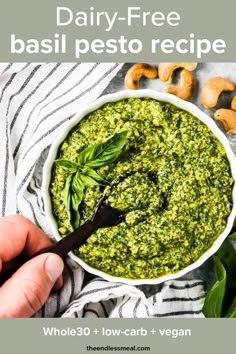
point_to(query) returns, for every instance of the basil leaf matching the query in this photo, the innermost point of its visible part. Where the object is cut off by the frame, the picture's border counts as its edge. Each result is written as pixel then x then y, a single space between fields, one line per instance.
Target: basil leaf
pixel 67 195
pixel 77 187
pixel 76 200
pixel 232 236
pixel 92 173
pixel 103 153
pixel 75 219
pixel 75 214
pixel 214 299
pixel 89 181
pixel 72 166
pixel 231 313
pixel 227 255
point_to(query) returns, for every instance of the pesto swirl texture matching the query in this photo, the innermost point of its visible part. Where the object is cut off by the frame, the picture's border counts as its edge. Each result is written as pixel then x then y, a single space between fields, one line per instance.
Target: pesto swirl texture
pixel 176 188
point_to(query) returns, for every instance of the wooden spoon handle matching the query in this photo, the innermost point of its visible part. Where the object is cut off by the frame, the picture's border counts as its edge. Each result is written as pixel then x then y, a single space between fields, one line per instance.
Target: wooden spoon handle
pixel 61 248
pixel 104 216
pixel 74 240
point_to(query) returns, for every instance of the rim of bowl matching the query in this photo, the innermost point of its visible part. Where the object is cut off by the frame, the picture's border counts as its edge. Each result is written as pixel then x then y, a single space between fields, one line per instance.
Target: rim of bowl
pixel 164 97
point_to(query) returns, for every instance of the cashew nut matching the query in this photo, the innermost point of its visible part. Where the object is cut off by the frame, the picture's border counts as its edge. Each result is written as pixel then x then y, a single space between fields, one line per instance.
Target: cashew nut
pixel 136 72
pixel 185 88
pixel 233 103
pixel 165 70
pixel 227 119
pixel 212 89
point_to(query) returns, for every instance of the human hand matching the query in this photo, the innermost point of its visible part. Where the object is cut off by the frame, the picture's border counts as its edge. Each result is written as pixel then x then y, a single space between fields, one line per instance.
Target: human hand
pixel 29 287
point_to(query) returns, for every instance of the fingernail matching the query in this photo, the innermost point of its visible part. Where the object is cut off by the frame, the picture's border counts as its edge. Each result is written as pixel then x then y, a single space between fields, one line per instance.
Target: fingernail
pixel 54 267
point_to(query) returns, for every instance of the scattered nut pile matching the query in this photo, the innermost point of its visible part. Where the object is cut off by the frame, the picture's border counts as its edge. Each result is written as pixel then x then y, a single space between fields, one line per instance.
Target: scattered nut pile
pixel 209 95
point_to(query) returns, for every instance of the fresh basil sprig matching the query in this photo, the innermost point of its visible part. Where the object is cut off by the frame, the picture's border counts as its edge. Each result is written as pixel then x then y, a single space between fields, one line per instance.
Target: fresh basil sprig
pixel 82 173
pixel 221 298
pixel 214 299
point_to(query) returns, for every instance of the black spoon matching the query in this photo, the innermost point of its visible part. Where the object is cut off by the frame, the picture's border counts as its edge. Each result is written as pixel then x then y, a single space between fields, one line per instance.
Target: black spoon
pixel 103 216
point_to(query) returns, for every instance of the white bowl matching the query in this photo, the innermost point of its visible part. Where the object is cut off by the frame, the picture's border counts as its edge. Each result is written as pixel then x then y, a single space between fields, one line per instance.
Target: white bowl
pixel 161 97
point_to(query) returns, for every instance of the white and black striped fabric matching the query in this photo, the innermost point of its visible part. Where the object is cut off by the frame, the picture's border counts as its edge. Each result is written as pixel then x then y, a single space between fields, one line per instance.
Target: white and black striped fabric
pixel 35 101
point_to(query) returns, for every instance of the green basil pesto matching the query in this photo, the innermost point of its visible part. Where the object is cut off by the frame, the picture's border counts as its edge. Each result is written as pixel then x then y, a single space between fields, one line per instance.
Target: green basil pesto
pixel 176 188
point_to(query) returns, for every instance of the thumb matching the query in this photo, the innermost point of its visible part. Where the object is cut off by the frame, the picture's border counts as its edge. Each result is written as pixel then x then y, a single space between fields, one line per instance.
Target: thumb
pixel 28 289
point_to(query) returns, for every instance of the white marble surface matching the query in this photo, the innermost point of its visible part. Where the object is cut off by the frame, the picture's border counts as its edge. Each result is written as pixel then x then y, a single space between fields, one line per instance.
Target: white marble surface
pixel 203 72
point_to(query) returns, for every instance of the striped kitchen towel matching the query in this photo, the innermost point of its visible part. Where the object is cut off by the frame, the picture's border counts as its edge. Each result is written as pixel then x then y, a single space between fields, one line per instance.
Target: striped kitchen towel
pixel 35 101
